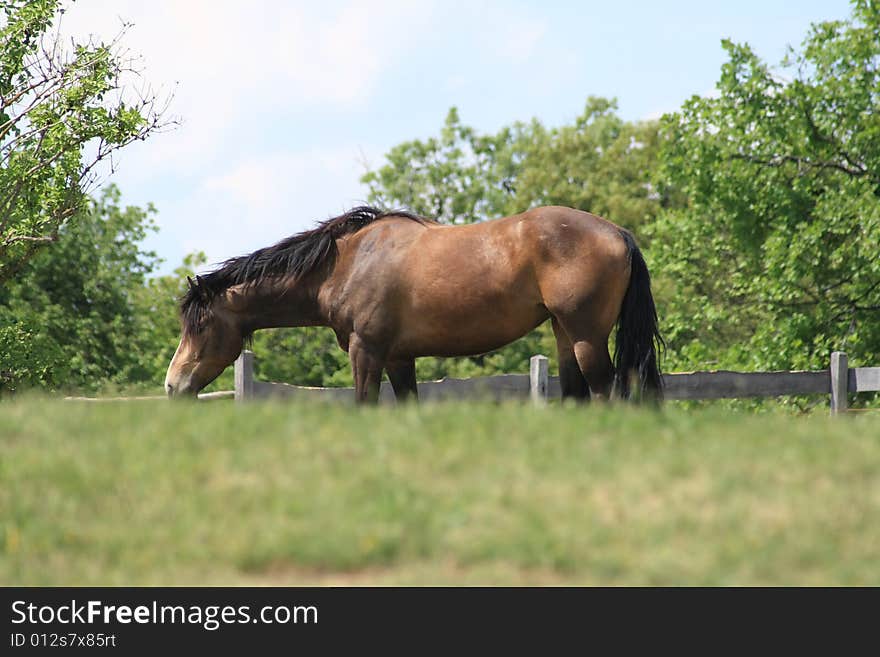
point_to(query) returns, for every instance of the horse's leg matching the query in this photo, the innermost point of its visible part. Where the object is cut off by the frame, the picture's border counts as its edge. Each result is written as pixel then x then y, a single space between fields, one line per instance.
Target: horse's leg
pixel 590 347
pixel 572 382
pixel 402 375
pixel 588 319
pixel 595 364
pixel 366 369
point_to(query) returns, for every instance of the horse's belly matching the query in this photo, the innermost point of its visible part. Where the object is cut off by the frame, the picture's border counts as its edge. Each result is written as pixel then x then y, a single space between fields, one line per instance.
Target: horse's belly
pixel 469 325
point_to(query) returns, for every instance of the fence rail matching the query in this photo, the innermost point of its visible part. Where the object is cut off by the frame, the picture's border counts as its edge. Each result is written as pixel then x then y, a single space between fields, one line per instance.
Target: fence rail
pixel 205 396
pixel 838 381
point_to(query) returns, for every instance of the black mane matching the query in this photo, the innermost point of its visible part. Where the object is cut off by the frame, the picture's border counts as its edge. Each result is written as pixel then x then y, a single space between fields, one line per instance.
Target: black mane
pixel 295 256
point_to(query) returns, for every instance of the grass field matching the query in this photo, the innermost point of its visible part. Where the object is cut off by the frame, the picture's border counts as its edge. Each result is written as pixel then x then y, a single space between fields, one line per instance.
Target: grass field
pixel 213 493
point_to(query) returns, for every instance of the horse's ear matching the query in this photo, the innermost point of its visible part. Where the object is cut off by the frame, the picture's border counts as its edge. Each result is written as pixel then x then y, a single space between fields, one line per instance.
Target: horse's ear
pixel 198 287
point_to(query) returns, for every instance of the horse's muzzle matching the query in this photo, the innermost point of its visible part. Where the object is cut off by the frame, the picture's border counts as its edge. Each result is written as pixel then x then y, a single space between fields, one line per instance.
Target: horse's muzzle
pixel 180 392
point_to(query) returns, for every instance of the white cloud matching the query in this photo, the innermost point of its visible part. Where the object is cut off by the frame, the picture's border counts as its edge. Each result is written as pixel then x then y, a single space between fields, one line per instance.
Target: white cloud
pixel 229 58
pixel 518 37
pixel 268 182
pixel 338 58
pixel 258 201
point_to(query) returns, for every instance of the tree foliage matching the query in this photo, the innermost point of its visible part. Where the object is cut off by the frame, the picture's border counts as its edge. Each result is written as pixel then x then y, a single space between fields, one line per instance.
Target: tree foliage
pixel 63 111
pixel 71 318
pixel 601 164
pixel 774 261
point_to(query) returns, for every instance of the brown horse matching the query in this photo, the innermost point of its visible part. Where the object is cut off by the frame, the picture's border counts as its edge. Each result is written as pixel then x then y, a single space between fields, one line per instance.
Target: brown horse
pixel 395 286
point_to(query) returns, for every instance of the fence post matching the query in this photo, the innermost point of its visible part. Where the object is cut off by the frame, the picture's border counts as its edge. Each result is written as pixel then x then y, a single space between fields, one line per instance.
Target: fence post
pixel 839 382
pixel 538 368
pixel 244 376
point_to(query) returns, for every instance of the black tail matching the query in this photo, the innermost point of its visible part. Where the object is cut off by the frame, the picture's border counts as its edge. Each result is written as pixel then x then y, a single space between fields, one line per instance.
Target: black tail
pixel 638 340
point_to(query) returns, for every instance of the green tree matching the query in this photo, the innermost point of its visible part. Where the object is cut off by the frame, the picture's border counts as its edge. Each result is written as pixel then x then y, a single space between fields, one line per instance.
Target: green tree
pixel 601 164
pixel 304 356
pixel 63 111
pixel 70 319
pixel 774 261
pixel 459 176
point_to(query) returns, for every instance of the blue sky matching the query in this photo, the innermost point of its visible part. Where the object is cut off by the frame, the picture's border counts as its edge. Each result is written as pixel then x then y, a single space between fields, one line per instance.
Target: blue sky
pixel 283 104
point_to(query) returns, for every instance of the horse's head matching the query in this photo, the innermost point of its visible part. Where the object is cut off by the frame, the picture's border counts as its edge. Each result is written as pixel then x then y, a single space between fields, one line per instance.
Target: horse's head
pixel 211 339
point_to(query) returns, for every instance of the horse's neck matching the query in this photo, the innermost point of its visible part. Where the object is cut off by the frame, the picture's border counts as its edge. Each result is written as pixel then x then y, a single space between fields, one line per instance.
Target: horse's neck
pixel 280 305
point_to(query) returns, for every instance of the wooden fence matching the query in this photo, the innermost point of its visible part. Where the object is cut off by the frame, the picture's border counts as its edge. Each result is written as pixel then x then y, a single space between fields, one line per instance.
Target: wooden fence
pixel 837 382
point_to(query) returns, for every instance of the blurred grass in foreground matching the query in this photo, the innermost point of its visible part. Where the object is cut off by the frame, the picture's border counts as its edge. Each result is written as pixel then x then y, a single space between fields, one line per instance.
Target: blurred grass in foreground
pixel 213 493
